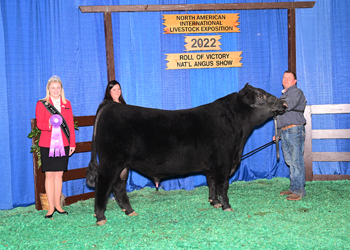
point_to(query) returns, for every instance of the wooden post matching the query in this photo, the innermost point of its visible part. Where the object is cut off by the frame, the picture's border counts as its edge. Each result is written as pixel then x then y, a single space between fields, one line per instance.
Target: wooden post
pixel 291 41
pixel 308 145
pixel 109 45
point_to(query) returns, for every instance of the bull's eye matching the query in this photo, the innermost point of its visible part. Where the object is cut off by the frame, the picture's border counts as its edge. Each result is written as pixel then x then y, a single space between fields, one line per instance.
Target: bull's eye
pixel 261 97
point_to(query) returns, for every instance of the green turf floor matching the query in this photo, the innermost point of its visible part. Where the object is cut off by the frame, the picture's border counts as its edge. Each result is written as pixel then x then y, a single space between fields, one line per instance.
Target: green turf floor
pixel 262 219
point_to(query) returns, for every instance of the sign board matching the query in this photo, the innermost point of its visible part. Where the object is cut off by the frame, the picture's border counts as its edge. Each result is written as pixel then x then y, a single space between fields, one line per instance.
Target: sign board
pixel 200 23
pixel 204 60
pixel 194 43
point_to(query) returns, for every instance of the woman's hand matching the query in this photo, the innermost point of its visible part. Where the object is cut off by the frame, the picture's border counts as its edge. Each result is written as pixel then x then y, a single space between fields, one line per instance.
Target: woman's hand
pixel 71 150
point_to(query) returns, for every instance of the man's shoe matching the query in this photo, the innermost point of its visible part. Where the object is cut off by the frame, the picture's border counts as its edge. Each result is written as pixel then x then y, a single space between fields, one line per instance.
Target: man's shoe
pixel 286 193
pixel 294 197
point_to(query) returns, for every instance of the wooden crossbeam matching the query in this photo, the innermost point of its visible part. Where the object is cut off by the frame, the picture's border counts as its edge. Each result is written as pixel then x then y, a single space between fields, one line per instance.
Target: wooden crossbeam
pixel 192 7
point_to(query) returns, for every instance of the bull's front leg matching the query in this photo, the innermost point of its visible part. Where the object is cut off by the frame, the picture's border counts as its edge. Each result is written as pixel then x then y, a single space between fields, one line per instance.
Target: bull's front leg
pixel 211 186
pixel 218 178
pixel 212 179
pixel 223 198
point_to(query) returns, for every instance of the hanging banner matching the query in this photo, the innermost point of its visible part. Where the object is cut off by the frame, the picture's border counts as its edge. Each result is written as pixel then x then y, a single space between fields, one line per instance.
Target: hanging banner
pixel 194 43
pixel 200 23
pixel 204 60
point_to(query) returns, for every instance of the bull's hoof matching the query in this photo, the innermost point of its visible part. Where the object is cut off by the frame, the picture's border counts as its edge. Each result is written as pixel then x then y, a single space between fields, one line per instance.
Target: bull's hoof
pixel 101 222
pixel 133 214
pixel 123 210
pixel 217 205
pixel 94 215
pixel 229 209
pixel 210 200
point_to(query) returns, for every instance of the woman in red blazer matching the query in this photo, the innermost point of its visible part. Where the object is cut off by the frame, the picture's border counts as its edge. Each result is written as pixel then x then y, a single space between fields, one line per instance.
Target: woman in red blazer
pixel 56 165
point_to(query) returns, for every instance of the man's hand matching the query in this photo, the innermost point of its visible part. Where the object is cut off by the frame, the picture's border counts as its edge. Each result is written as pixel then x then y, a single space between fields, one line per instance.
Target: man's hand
pixel 274 138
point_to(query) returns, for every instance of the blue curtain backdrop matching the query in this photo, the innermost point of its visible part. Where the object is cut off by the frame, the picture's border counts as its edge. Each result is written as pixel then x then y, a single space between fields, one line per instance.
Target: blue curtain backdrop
pixel 42 38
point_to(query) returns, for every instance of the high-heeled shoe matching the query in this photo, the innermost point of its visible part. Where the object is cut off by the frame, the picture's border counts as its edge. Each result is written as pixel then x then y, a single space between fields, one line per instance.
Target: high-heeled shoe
pixel 64 212
pixel 48 216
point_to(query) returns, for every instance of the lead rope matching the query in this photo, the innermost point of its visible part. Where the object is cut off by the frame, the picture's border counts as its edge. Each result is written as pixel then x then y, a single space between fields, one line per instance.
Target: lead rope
pixel 257 149
pixel 276 139
pixel 266 145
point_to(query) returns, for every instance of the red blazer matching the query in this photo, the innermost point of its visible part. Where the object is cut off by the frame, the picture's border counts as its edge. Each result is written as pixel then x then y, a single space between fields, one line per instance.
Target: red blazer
pixel 42 121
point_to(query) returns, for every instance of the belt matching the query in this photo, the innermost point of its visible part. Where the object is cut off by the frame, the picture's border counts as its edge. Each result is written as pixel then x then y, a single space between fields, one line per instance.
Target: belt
pixel 289 126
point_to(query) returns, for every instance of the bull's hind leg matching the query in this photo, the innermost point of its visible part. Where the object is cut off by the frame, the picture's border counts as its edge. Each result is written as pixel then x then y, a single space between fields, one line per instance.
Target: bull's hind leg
pixel 103 189
pixel 116 189
pixel 119 192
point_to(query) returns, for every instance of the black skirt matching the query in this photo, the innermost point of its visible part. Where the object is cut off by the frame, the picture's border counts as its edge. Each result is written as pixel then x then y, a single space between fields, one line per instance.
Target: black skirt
pixel 53 163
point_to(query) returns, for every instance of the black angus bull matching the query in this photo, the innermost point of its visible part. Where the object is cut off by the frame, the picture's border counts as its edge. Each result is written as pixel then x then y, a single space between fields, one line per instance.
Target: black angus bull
pixel 162 143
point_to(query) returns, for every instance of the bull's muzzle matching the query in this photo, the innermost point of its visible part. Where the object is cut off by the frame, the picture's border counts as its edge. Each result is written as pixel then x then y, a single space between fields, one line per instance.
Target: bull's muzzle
pixel 278 107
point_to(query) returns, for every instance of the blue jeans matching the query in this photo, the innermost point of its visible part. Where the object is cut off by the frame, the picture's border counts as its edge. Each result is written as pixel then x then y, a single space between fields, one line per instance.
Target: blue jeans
pixel 292 141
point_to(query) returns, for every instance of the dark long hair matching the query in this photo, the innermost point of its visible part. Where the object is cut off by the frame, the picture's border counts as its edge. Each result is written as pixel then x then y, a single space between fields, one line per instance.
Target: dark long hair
pixel 108 96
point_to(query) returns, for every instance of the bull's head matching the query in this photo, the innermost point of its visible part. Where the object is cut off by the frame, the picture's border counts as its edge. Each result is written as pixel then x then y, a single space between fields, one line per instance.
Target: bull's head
pixel 259 98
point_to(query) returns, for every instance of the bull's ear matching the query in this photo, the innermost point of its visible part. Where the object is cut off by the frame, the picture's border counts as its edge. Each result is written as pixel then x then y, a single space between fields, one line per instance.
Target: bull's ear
pixel 251 99
pixel 248 96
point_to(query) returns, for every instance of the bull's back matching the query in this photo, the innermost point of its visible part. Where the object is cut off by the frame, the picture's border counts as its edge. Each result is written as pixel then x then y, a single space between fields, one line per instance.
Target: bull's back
pixel 151 129
pixel 167 142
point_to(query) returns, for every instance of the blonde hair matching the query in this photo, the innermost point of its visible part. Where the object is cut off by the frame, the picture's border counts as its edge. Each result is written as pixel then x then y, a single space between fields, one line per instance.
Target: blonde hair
pixel 54 78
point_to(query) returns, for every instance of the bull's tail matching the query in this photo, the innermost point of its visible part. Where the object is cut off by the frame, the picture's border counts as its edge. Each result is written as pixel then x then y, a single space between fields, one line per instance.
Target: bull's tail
pixel 92 169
